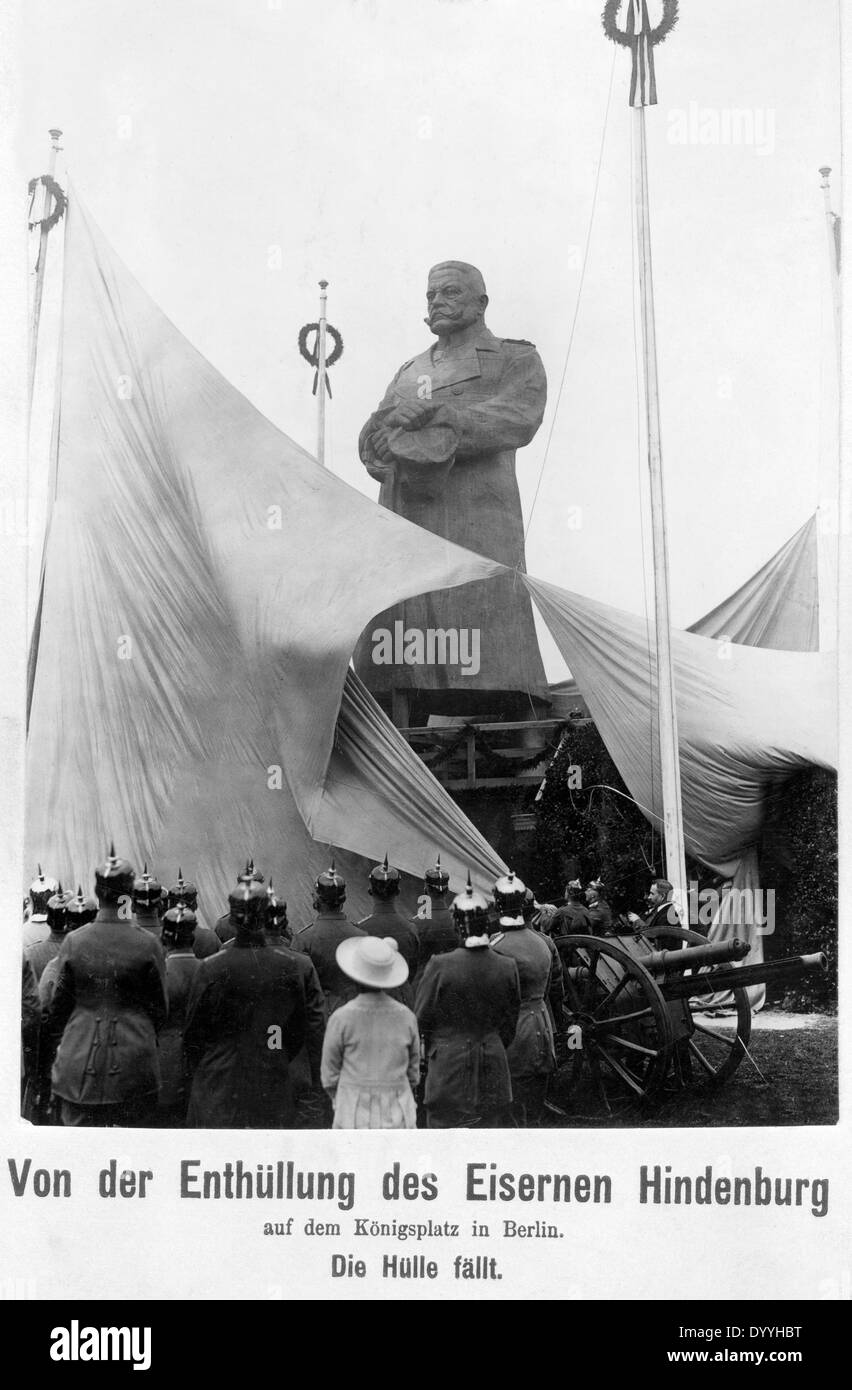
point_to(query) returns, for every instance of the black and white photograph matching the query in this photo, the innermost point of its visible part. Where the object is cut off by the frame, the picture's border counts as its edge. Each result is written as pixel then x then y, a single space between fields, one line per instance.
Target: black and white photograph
pixel 425 551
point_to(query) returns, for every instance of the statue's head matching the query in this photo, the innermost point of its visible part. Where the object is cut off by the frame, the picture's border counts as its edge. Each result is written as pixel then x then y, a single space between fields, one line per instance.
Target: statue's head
pixel 455 297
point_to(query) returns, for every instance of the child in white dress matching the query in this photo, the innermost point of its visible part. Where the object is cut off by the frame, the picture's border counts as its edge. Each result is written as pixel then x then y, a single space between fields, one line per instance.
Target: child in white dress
pixel 371 1052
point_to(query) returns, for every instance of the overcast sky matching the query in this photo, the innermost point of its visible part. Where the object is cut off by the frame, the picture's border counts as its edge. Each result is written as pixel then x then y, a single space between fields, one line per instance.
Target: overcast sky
pixel 237 151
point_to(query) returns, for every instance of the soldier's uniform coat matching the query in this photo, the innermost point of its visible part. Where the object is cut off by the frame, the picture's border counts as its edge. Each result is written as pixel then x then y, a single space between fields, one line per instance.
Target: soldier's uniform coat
pixel 108 1005
pixel 600 914
pixel 531 1052
pixel 182 965
pixel 319 941
pixel 492 395
pixel 437 934
pixel 572 919
pixel 239 1081
pixel 386 920
pixel 467 1007
pixel 44 951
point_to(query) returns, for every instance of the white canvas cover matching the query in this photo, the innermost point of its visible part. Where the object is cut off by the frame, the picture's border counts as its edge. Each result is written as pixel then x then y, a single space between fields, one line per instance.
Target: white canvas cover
pixel 205 582
pixel 778 607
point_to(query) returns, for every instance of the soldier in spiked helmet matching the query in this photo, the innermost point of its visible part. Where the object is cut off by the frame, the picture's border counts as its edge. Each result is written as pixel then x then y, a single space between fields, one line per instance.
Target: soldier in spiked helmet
pixel 248 1017
pixel 41 891
pixel 184 894
pixel 320 939
pixel 467 1007
pixel 531 1054
pixel 44 951
pixel 387 920
pixel 224 928
pixel 436 928
pixel 149 902
pixel 79 911
pixel 182 965
pixel 108 1005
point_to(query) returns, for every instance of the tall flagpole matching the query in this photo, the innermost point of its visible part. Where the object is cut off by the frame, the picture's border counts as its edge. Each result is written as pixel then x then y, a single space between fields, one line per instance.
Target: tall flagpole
pixel 641 39
pixel 832 227
pixel 830 528
pixel 41 266
pixel 321 376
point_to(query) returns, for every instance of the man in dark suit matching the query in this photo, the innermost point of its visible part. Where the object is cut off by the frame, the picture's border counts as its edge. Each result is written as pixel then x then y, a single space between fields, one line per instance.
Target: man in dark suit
pixel 247 1019
pixel 467 1007
pixel 107 1008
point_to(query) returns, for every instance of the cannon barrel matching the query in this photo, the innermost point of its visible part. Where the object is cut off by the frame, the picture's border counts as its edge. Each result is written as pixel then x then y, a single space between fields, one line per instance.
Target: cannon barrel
pixel 739 976
pixel 673 963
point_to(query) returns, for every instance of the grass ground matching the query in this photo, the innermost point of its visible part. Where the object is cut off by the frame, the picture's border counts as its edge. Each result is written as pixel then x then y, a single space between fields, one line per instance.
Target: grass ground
pixel 789 1078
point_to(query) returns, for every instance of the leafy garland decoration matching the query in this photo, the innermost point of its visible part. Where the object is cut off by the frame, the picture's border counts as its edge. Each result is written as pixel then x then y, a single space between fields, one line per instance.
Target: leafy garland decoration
pixel 657 35
pixel 312 357
pixel 60 201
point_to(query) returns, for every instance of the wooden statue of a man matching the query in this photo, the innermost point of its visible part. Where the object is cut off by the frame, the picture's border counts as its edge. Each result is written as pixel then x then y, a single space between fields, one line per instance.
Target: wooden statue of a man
pixel 442 444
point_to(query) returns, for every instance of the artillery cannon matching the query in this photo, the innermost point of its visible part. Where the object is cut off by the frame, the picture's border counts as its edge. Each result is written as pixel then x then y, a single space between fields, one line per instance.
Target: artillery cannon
pixel 633 1013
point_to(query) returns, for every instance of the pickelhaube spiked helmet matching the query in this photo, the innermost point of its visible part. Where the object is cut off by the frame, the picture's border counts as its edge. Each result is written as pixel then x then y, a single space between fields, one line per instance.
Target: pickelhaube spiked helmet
pixel 42 889
pixel 330 888
pixel 114 878
pixel 470 910
pixel 179 925
pixel 598 885
pixel 57 909
pixel 437 878
pixel 183 892
pixel 147 891
pixel 80 911
pixel 384 880
pixel 247 904
pixel 276 911
pixel 250 874
pixel 509 894
pixel 529 906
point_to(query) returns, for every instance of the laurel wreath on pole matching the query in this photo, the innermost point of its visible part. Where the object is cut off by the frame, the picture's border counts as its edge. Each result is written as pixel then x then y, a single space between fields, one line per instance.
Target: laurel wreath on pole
pixel 59 200
pixel 657 35
pixel 311 355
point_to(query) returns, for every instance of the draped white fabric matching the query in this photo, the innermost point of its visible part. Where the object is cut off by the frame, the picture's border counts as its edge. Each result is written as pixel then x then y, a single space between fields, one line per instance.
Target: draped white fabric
pixel 205 583
pixel 747 717
pixel 778 607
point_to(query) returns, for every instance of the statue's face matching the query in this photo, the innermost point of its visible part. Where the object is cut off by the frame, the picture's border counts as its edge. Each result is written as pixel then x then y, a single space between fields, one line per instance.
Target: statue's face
pixel 452 302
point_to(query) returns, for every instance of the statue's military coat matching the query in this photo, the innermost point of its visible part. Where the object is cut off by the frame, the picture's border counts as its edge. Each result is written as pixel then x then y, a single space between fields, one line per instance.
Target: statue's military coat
pixel 492 396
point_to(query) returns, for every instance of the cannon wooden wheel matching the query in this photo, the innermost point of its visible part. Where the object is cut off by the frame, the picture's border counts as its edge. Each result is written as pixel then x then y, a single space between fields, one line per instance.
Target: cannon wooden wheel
pixel 712 1053
pixel 618 1026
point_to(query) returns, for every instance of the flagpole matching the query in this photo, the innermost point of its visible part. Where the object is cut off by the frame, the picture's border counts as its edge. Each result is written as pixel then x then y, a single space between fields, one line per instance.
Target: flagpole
pixel 828 535
pixel 642 38
pixel 40 268
pixel 321 359
pixel 666 705
pixel 833 258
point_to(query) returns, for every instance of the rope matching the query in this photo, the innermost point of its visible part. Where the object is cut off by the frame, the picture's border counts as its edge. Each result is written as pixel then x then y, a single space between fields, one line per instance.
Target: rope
pixel 578 299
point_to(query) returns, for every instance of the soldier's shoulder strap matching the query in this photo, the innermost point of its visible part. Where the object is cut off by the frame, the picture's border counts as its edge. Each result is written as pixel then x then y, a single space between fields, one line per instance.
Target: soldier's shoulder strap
pixel 498 937
pixel 518 342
